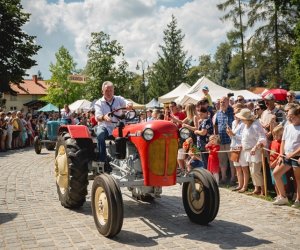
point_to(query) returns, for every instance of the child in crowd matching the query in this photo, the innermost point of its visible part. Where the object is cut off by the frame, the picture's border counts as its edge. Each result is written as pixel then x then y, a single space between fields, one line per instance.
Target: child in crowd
pixel 193 160
pixel 274 154
pixel 213 146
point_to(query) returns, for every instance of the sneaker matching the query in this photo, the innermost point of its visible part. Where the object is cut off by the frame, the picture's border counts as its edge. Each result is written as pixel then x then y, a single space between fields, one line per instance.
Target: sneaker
pixel 296 204
pixel 281 201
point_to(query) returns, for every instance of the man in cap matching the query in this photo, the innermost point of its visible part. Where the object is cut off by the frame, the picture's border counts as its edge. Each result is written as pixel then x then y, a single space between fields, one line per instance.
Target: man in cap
pixel 205 91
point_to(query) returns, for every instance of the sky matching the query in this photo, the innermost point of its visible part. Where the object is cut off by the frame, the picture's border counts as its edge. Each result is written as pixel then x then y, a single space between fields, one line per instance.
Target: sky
pixel 137 25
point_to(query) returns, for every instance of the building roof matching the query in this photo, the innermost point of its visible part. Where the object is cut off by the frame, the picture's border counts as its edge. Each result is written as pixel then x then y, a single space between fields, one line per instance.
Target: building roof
pixel 32 86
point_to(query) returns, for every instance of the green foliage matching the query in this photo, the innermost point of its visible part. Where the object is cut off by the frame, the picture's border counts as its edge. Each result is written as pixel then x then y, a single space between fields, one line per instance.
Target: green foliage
pixel 172 66
pixel 101 66
pixel 293 70
pixel 276 20
pixel 61 91
pixel 16 47
pixel 222 60
pixel 235 13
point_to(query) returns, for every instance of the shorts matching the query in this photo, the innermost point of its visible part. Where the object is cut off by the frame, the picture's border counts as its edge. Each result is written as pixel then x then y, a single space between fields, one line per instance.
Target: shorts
pixel 181 154
pixel 292 163
pixel 283 178
pixel 242 161
pixel 196 164
pixel 224 157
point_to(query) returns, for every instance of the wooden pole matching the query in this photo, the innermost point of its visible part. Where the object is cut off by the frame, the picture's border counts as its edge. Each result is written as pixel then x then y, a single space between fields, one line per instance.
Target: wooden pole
pixel 264 170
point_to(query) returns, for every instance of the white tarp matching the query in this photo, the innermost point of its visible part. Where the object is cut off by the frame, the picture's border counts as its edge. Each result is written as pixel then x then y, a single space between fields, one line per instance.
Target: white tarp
pixel 136 105
pixel 172 95
pixel 216 92
pixel 154 104
pixel 80 105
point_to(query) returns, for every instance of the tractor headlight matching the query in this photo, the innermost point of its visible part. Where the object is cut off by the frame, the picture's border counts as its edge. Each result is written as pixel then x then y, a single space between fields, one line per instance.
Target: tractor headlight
pixel 184 133
pixel 148 134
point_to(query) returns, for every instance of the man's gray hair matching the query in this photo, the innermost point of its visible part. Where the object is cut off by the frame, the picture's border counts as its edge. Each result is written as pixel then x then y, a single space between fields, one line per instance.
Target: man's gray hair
pixel 107 83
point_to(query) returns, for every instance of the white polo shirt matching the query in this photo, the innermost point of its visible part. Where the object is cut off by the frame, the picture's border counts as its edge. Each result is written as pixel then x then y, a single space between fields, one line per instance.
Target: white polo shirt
pixel 102 107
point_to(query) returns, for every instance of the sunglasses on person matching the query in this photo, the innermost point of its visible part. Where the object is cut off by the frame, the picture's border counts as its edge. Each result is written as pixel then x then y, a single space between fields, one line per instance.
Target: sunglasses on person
pixel 257 109
pixel 240 100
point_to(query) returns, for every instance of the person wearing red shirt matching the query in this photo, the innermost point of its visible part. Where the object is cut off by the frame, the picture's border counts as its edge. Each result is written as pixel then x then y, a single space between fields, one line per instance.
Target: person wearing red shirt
pixel 213 165
pixel 175 115
pixel 93 121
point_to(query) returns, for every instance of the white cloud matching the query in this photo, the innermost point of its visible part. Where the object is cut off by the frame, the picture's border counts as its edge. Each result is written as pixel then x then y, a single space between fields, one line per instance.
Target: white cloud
pixel 136 24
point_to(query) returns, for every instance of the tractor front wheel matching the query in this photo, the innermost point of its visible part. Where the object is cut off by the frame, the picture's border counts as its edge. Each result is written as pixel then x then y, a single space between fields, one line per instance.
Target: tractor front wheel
pixel 202 204
pixel 107 205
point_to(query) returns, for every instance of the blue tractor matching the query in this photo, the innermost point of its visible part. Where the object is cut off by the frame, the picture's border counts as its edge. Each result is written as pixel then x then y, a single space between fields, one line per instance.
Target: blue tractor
pixel 48 136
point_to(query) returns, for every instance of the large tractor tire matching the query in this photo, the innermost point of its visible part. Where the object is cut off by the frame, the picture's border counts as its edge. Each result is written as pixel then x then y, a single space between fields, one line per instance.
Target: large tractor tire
pixel 71 170
pixel 37 145
pixel 201 207
pixel 107 205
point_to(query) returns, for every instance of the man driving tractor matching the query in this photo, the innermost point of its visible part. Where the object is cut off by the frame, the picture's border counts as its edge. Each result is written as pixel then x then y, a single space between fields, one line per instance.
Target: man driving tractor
pixel 106 123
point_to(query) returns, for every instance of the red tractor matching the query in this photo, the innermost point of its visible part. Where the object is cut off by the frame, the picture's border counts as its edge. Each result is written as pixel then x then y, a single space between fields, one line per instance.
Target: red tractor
pixel 141 157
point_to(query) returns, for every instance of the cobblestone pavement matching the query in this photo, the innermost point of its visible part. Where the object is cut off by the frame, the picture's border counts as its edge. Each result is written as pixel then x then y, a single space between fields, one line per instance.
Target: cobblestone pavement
pixel 31 216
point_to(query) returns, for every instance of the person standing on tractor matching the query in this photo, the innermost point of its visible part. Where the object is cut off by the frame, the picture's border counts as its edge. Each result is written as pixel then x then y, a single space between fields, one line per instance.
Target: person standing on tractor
pixel 105 105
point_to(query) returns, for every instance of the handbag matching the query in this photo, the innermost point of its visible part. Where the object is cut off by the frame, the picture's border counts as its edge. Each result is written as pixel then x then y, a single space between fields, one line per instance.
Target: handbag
pixel 235 155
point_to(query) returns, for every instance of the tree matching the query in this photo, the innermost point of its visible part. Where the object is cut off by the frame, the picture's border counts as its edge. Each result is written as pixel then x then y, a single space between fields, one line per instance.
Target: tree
pixel 16 47
pixel 276 20
pixel 293 70
pixel 172 66
pixel 222 59
pixel 235 14
pixel 61 91
pixel 101 66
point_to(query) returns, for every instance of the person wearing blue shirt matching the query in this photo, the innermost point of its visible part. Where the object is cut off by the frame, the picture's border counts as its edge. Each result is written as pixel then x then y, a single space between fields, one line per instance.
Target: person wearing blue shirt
pixel 224 119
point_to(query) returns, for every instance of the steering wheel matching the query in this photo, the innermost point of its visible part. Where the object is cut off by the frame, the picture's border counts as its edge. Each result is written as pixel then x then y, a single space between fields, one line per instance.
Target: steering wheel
pixel 129 115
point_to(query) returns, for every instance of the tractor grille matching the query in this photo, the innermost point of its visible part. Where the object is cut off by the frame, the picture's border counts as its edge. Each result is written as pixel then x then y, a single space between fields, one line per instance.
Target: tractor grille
pixel 158 156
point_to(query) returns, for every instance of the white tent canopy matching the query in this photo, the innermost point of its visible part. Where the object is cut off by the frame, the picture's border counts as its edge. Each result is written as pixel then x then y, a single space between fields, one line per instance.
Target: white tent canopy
pixel 172 95
pixel 154 104
pixel 136 105
pixel 80 105
pixel 216 92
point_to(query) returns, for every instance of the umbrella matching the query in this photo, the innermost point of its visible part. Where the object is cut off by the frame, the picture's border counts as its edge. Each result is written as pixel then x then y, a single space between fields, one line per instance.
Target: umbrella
pixel 48 108
pixel 279 94
pixel 80 105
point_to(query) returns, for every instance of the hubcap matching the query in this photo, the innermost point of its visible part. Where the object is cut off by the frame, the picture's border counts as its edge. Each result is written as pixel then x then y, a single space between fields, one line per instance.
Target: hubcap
pixel 61 169
pixel 196 204
pixel 101 206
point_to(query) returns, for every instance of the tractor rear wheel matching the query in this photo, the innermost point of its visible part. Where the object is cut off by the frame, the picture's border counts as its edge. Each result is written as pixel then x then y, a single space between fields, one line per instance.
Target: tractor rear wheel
pixel 37 145
pixel 203 205
pixel 107 205
pixel 71 170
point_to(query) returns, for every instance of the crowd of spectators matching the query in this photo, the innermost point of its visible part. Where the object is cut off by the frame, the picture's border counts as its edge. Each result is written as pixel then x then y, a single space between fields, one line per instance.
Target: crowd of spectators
pixel 18 129
pixel 240 130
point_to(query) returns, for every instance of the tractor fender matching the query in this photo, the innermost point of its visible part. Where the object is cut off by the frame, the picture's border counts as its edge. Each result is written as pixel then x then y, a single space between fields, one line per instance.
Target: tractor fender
pixel 75 131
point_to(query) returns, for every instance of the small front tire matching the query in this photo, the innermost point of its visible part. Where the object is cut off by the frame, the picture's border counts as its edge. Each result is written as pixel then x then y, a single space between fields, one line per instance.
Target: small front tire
pixel 37 145
pixel 107 205
pixel 203 205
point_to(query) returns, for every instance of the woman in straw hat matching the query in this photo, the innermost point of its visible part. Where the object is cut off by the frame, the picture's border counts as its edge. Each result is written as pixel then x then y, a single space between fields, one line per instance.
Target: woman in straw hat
pixel 253 138
pixel 241 165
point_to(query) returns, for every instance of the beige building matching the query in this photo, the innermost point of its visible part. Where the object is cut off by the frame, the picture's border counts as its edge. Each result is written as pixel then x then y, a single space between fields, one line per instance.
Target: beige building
pixel 29 92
